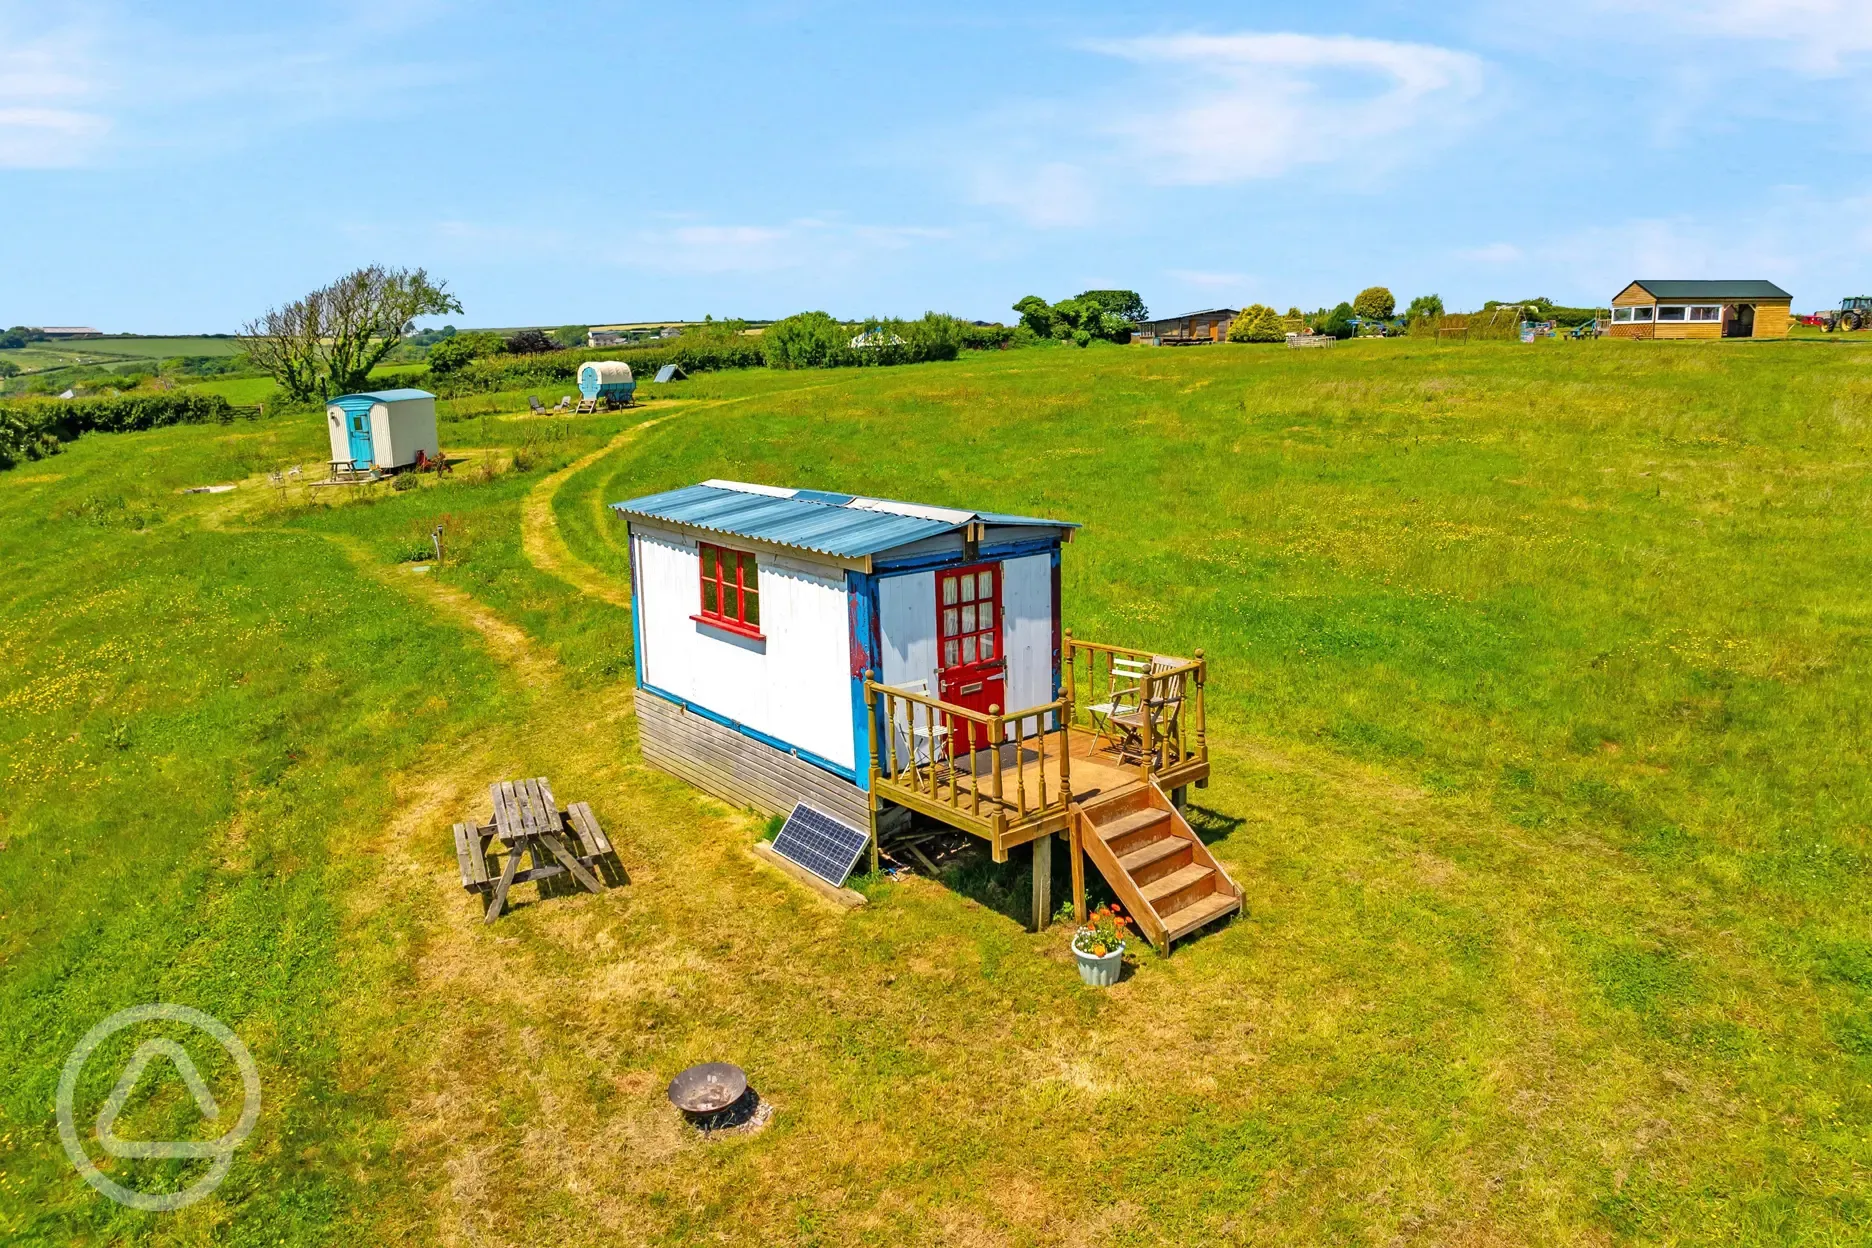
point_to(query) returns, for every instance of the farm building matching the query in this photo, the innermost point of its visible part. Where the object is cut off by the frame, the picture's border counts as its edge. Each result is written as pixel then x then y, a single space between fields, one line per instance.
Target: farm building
pixel 1674 309
pixel 877 658
pixel 383 429
pixel 1209 325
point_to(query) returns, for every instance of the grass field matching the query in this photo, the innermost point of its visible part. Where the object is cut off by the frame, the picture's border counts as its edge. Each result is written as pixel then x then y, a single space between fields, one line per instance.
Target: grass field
pixel 1538 705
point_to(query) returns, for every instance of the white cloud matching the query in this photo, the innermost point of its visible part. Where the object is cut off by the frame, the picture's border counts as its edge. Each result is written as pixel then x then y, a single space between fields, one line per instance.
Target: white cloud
pixel 1054 194
pixel 1814 36
pixel 1247 106
pixel 47 82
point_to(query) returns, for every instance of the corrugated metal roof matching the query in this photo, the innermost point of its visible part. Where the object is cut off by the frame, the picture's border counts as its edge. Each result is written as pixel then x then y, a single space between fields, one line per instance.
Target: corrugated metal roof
pixel 842 525
pixel 386 396
pixel 1714 290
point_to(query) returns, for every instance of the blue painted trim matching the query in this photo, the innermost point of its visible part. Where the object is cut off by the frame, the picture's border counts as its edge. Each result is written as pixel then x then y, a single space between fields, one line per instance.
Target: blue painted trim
pixel 862 593
pixel 954 558
pixel 824 764
pixel 630 547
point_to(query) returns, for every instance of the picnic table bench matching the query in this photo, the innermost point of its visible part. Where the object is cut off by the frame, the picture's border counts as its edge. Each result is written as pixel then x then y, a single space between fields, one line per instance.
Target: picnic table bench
pixel 527 822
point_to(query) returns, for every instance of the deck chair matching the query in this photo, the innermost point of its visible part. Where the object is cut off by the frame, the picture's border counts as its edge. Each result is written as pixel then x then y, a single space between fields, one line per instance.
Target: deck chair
pixel 1125 684
pixel 908 724
pixel 563 405
pixel 533 401
pixel 1164 709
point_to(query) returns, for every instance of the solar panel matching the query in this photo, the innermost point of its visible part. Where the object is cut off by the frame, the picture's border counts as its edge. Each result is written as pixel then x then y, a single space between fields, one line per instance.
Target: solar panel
pixel 823 845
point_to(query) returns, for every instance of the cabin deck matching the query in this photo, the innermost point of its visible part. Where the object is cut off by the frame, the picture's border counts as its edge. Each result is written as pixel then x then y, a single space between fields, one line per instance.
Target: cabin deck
pixel 929 760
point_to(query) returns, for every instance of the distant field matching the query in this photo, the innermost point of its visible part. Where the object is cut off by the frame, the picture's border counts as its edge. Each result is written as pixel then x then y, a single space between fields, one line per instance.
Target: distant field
pixel 241 391
pixel 1540 714
pixel 161 348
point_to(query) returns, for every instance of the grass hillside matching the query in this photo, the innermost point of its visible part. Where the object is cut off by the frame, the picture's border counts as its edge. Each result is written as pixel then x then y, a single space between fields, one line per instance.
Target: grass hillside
pixel 1538 711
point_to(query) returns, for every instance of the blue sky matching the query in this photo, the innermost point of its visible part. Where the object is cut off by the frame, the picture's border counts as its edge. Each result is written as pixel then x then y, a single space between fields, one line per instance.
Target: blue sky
pixel 178 167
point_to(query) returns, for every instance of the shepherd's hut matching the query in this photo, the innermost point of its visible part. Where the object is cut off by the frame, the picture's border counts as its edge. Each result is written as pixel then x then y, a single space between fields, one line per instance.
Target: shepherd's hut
pixel 383 429
pixel 878 658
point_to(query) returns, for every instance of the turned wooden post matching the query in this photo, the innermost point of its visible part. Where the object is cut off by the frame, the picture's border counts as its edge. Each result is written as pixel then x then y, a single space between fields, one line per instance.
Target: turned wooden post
pixel 1147 729
pixel 1202 714
pixel 995 734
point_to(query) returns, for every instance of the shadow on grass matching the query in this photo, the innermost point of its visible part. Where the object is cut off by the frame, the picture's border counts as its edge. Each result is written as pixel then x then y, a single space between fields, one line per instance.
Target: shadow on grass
pixel 1209 825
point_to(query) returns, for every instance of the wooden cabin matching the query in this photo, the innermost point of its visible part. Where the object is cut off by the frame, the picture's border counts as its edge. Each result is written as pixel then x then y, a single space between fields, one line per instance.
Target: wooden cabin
pixel 1208 325
pixel 1737 309
pixel 885 660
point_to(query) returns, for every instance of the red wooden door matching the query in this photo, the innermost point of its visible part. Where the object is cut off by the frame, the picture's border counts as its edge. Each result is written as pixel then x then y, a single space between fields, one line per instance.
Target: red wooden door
pixel 971 670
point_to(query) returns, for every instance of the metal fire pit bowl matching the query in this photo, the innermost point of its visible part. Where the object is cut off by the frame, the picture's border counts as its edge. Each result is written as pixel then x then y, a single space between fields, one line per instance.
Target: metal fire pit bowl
pixel 706 1090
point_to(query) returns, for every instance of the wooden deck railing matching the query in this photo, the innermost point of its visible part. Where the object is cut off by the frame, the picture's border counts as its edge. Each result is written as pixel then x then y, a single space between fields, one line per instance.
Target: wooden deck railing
pixel 1155 719
pixel 989 768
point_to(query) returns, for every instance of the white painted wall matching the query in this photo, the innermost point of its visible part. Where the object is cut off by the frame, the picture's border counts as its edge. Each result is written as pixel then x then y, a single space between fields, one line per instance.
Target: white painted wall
pixel 907 628
pixel 1027 629
pixel 340 434
pixel 795 685
pixel 400 429
pixel 907 625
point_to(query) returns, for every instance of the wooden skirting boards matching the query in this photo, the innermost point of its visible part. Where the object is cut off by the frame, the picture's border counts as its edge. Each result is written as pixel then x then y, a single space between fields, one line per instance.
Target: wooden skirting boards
pixel 737 768
pixel 845 897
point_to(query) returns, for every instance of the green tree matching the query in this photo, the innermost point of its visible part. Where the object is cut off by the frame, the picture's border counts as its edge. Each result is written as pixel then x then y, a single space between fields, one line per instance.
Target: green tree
pixel 1126 305
pixel 1036 315
pixel 1424 307
pixel 1258 323
pixel 570 335
pixel 1374 303
pixel 327 342
pixel 804 340
pixel 457 349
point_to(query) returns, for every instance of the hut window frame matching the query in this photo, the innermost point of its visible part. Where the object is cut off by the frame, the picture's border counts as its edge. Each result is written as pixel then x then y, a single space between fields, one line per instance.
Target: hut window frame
pixel 729 593
pixel 1673 312
pixel 1706 311
pixel 1644 312
pixel 1621 314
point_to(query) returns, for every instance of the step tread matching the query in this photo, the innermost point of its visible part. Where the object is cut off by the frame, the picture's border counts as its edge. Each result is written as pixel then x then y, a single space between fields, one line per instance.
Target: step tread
pixel 1175 882
pixel 1150 854
pixel 1208 910
pixel 1133 822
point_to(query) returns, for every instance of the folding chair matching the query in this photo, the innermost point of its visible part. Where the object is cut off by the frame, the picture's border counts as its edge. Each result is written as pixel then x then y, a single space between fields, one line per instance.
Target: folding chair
pixel 1164 708
pixel 1125 683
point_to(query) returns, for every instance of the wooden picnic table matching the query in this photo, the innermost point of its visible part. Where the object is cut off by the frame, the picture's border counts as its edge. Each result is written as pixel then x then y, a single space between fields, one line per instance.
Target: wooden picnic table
pixel 527 822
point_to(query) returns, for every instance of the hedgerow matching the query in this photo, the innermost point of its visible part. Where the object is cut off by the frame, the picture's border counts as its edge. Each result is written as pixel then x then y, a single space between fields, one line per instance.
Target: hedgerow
pixel 34 430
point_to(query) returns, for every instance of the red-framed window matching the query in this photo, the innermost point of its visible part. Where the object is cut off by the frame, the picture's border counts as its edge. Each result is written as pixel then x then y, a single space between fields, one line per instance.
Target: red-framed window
pixel 730 590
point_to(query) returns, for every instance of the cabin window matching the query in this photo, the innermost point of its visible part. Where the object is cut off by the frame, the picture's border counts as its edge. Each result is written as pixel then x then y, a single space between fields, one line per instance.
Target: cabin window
pixel 730 590
pixel 1671 312
pixel 1621 314
pixel 1641 314
pixel 1706 312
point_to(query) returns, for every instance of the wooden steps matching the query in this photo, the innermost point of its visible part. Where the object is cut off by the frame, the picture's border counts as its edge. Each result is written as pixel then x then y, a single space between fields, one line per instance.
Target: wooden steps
pixel 1161 871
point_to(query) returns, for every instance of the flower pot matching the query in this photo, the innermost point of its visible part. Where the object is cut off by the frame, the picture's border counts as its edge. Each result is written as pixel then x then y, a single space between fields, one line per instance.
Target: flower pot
pixel 1099 970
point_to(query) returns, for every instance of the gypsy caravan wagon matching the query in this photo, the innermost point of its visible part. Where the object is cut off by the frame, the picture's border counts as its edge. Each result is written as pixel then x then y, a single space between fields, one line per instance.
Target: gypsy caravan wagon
pixel 876 659
pixel 382 430
pixel 606 383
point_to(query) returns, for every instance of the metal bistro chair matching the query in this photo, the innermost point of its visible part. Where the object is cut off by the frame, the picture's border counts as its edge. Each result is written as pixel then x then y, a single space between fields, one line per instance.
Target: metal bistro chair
pixel 1165 709
pixel 928 735
pixel 533 402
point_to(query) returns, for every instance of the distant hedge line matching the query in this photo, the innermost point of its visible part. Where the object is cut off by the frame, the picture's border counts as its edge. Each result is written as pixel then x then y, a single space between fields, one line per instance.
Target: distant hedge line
pixel 35 430
pixel 805 341
pixel 511 372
